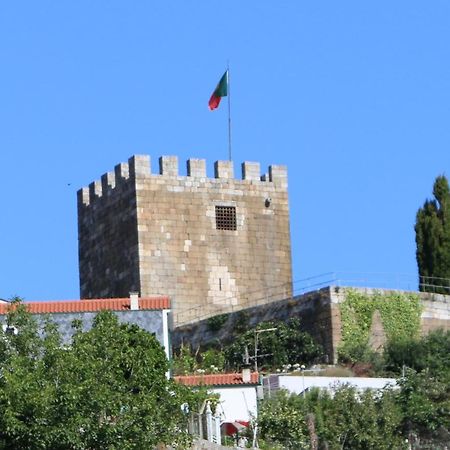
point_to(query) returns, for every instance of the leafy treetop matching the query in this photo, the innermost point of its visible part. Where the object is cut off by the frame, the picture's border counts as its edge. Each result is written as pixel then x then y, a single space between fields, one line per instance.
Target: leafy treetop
pixel 108 389
pixel 433 239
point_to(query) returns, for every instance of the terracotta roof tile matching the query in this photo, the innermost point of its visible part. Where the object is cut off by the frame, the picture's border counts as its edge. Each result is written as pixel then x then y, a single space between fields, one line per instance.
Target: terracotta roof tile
pixel 219 379
pixel 68 306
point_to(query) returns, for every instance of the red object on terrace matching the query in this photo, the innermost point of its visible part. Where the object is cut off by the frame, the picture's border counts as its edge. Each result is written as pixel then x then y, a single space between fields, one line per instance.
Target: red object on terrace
pixel 231 428
pixel 219 379
pixel 91 305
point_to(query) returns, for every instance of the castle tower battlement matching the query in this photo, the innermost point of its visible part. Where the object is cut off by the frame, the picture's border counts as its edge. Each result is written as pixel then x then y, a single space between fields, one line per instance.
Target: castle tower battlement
pixel 139 166
pixel 215 243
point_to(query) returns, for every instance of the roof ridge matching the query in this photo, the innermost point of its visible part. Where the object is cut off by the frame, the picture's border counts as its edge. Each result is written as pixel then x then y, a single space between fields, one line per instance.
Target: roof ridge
pixel 90 305
pixel 225 379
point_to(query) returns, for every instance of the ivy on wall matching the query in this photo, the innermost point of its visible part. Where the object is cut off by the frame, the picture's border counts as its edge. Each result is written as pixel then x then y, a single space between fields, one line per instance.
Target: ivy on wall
pixel 400 316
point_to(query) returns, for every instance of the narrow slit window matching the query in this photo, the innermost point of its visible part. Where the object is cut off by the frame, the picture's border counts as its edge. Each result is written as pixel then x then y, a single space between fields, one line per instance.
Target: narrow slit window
pixel 226 218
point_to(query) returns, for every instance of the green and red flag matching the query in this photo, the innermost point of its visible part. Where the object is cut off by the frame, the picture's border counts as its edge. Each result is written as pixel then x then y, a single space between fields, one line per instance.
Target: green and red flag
pixel 220 91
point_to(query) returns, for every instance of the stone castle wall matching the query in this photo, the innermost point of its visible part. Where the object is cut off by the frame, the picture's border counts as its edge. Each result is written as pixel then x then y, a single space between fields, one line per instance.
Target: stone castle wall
pixel 319 315
pixel 108 236
pixel 158 234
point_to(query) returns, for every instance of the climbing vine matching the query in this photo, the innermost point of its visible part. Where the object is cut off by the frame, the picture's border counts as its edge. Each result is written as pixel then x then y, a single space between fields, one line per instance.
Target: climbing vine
pixel 400 316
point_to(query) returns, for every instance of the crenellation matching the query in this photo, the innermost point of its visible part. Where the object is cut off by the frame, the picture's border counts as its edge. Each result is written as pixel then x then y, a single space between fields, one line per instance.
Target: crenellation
pixel 251 171
pixel 122 172
pixel 95 191
pixel 108 181
pixel 278 175
pixel 83 196
pixel 196 168
pixel 139 166
pixel 168 165
pixel 223 169
pixel 159 234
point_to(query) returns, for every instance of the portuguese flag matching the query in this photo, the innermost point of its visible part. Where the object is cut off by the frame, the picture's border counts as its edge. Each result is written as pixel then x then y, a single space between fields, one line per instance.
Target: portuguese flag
pixel 220 91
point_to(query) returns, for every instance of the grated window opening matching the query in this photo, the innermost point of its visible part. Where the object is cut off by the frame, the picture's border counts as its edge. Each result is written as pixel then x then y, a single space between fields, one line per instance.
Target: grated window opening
pixel 226 218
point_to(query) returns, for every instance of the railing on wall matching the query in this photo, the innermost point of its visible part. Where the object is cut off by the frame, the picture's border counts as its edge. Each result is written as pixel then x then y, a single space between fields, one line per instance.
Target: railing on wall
pixel 374 280
pixel 205 424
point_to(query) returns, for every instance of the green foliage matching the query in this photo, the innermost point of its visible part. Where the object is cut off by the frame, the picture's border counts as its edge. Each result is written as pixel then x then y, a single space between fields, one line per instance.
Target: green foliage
pixel 433 239
pixel 108 389
pixel 183 362
pixel 366 420
pixel 425 402
pixel 417 409
pixel 348 420
pixel 212 360
pixel 431 352
pixel 215 323
pixel 282 421
pixel 288 344
pixel 209 361
pixel 400 315
pixel 241 319
pixel 425 387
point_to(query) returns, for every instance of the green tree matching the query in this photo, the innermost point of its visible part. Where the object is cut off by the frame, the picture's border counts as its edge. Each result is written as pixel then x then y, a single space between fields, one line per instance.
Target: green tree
pixel 430 352
pixel 108 389
pixel 281 421
pixel 288 344
pixel 425 402
pixel 183 362
pixel 209 361
pixel 212 360
pixel 346 420
pixel 433 239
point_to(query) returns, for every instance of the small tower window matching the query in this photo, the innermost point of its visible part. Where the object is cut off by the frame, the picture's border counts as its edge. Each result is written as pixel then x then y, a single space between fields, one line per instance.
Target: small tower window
pixel 226 218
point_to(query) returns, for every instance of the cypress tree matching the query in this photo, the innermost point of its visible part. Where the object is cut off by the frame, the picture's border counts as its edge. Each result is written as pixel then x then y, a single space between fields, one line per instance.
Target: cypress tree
pixel 433 240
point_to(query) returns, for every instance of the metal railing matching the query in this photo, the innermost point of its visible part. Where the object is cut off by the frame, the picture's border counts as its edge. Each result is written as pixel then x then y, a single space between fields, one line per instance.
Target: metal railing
pixel 373 280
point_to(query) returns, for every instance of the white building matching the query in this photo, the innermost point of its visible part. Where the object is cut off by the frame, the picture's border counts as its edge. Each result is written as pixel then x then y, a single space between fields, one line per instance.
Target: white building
pixel 238 397
pixel 297 384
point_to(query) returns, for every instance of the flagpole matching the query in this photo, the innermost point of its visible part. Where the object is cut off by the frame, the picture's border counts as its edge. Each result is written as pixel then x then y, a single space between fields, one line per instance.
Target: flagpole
pixel 229 111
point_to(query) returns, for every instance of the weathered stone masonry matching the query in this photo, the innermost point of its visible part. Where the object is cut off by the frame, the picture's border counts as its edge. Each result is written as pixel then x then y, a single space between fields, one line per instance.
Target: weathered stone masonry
pixel 210 244
pixel 319 313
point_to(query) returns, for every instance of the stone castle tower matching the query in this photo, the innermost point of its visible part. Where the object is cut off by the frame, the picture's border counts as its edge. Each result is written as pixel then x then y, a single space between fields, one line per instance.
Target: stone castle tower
pixel 211 244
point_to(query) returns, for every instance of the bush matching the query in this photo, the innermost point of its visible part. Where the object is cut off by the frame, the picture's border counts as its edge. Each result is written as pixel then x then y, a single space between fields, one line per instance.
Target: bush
pixel 285 345
pixel 215 323
pixel 346 420
pixel 432 352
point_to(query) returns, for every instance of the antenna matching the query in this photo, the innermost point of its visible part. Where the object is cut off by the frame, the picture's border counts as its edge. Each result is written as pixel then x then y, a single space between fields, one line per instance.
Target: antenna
pixel 246 356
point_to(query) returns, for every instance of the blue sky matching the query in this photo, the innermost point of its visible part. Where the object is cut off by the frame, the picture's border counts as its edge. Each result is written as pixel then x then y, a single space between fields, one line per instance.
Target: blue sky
pixel 354 97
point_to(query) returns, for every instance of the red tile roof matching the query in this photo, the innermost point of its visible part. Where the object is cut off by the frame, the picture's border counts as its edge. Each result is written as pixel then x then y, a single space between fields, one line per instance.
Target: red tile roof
pixel 68 306
pixel 219 379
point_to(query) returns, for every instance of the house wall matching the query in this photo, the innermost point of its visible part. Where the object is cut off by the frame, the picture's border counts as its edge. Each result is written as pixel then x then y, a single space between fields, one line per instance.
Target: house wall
pixel 153 321
pixel 237 403
pixel 298 384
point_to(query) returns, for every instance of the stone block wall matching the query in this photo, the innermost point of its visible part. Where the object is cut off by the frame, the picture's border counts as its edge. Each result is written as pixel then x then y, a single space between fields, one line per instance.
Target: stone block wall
pixel 436 312
pixel 158 234
pixel 108 236
pixel 318 316
pixel 319 313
